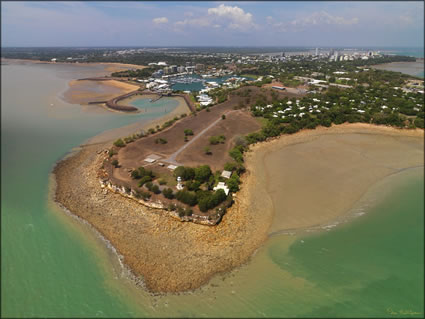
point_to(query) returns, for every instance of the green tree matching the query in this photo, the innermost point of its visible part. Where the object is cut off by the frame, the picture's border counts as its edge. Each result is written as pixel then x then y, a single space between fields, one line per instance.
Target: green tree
pixel 188 132
pixel 168 193
pixel 115 163
pixel 119 143
pixel 186 173
pixel 144 180
pixel 202 173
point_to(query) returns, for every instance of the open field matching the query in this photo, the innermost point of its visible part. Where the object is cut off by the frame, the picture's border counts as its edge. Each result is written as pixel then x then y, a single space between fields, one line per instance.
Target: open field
pixel 134 153
pixel 237 123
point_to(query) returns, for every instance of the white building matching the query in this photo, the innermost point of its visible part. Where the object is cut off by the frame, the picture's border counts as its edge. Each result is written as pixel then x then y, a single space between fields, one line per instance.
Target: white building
pixel 222 186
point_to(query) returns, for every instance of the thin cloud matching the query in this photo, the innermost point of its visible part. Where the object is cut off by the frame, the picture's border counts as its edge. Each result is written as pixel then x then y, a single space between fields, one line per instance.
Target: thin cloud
pixel 321 18
pixel 160 20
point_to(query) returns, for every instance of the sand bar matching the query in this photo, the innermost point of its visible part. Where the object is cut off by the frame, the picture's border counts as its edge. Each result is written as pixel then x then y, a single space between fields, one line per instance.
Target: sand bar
pixel 85 91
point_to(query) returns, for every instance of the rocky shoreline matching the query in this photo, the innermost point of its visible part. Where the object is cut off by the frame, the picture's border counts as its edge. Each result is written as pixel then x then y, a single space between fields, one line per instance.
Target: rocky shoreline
pixel 166 254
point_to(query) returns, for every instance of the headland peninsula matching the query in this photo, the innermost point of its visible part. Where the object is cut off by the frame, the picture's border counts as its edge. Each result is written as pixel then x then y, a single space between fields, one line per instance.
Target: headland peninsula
pixel 185 198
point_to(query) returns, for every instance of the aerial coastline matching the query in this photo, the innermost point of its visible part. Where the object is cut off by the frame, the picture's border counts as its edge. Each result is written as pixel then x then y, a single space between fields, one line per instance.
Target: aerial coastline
pixel 229 244
pixel 138 232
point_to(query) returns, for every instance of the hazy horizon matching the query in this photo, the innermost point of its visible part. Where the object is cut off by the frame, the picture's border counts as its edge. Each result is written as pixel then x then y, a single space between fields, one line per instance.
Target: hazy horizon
pixel 212 24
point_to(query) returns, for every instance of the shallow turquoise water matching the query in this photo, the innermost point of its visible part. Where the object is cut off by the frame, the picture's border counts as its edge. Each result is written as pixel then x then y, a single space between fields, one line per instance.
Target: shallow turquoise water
pixel 371 266
pixel 53 267
pixel 164 104
pixel 47 269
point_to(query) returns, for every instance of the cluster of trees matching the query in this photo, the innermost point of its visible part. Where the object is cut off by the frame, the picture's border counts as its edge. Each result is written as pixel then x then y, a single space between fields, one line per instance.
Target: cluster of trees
pixel 153 187
pixel 207 201
pixel 195 193
pixel 138 73
pixel 143 175
pixel 201 173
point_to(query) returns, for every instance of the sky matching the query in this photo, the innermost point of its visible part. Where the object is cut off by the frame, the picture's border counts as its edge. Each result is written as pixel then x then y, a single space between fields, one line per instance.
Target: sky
pixel 228 23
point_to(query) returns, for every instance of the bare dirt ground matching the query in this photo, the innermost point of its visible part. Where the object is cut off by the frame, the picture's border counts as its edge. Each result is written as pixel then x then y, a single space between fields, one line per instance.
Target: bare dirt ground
pixel 238 123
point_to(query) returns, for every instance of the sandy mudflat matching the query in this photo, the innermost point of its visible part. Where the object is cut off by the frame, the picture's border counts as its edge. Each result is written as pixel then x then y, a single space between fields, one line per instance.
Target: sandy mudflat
pixel 315 176
pixel 85 91
pixel 410 68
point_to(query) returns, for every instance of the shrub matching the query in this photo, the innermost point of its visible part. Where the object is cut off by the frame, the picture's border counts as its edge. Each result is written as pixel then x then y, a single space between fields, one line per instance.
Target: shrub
pixel 161 141
pixel 142 195
pixel 135 174
pixel 141 172
pixel 188 132
pixel 223 117
pixel 230 166
pixel 115 163
pixel 155 189
pixel 162 181
pixel 236 154
pixel 128 139
pixel 112 152
pixel 168 193
pixel 233 183
pixel 186 197
pixel 119 143
pixel 144 180
pixel 214 140
pixel 207 150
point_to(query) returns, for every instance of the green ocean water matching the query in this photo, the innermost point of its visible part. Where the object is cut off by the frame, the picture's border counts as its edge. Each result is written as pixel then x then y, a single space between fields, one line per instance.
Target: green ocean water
pixel 54 266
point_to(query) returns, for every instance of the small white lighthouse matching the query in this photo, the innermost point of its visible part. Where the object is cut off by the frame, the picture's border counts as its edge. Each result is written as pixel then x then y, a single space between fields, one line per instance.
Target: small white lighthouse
pixel 179 183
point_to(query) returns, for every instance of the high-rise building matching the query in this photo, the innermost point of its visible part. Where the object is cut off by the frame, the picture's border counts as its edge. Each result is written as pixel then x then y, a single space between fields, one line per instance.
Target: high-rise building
pixel 317 51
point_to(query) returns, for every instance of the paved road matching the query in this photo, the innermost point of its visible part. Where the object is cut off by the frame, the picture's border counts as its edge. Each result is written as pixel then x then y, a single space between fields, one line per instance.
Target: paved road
pixel 172 158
